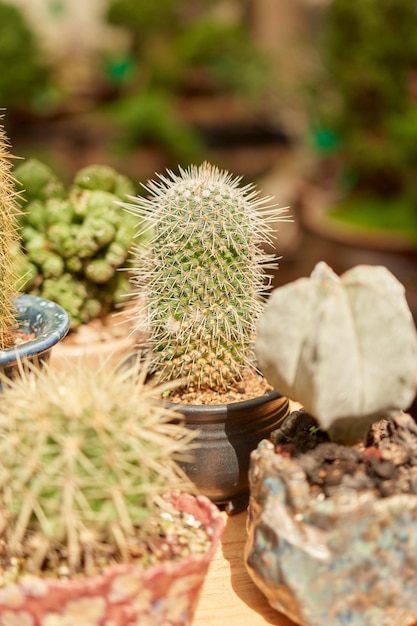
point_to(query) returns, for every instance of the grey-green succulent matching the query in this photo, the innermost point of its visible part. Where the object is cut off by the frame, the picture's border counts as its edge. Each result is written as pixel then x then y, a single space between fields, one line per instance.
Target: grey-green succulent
pixel 345 347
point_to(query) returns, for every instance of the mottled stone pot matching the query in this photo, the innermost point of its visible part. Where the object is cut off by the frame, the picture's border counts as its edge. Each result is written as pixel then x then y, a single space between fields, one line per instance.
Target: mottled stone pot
pixel 226 434
pixel 124 595
pixel 46 320
pixel 346 560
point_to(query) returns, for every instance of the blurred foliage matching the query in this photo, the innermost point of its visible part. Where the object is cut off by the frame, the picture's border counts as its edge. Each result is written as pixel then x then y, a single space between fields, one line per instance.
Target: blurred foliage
pixel 149 117
pixel 175 42
pixel 177 47
pixel 364 111
pixel 397 217
pixel 25 79
pixel 225 54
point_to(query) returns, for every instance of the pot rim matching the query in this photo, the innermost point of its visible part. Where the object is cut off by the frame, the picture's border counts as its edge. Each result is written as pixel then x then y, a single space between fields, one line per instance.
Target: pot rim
pixel 229 407
pixel 51 325
pixel 314 217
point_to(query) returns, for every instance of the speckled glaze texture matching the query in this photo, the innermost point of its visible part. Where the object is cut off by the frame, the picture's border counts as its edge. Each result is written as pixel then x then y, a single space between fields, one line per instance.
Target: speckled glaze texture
pixel 124 595
pixel 349 560
pixel 46 319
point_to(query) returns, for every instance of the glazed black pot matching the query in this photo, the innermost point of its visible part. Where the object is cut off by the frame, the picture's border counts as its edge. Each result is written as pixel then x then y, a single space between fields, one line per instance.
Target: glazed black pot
pixel 227 434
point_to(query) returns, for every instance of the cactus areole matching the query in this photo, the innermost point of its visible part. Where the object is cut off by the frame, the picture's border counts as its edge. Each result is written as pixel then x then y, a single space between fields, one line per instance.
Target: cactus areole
pixel 203 275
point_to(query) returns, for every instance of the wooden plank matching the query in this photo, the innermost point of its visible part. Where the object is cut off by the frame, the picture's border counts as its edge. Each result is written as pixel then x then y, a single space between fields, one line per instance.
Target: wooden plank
pixel 229 596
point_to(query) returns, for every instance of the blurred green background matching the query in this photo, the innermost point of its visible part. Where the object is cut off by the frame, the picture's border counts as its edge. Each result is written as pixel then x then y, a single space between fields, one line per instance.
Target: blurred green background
pixel 282 92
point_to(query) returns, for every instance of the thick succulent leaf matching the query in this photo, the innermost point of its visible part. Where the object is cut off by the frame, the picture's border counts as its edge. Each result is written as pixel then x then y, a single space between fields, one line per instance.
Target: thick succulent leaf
pixel 281 330
pixel 386 338
pixel 329 368
pixel 346 348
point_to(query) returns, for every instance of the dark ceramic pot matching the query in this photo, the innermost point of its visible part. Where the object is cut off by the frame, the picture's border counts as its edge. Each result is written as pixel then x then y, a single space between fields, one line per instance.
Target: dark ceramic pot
pixel 46 320
pixel 227 434
pixel 124 594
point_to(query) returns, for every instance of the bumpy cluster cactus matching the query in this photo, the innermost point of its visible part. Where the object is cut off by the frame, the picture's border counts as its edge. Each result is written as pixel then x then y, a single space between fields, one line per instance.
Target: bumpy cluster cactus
pixel 202 276
pixel 75 241
pixel 9 242
pixel 83 456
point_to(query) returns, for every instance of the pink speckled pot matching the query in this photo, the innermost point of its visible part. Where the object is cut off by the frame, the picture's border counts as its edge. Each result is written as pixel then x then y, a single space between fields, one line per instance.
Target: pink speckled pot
pixel 124 595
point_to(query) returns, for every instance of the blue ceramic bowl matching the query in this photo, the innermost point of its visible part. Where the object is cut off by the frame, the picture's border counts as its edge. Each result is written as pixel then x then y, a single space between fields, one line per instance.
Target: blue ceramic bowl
pixel 47 320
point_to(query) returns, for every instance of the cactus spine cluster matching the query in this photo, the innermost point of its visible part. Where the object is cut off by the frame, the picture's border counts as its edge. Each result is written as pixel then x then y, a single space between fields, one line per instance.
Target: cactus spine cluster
pixel 83 455
pixel 8 242
pixel 203 274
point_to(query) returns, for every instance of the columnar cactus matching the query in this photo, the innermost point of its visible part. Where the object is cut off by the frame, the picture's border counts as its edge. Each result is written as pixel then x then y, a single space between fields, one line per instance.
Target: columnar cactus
pixel 202 278
pixel 8 243
pixel 83 455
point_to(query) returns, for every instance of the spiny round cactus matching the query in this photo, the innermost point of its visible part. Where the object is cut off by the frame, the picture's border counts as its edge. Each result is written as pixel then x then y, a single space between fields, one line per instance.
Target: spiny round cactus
pixel 83 455
pixel 202 274
pixel 8 243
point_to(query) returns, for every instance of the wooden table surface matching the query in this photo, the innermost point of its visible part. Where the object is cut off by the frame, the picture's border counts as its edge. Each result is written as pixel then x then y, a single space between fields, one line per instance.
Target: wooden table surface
pixel 229 596
pixel 229 593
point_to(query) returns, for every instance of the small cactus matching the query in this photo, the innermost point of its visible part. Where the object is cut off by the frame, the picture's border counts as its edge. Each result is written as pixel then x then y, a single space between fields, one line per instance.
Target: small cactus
pixel 9 239
pixel 202 274
pixel 83 455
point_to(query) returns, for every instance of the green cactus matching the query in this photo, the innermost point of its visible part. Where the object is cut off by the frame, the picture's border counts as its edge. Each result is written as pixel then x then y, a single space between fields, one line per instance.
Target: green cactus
pixel 38 181
pixel 25 269
pixel 74 296
pixel 80 237
pixel 99 270
pixel 8 240
pixel 83 455
pixel 204 276
pixel 103 177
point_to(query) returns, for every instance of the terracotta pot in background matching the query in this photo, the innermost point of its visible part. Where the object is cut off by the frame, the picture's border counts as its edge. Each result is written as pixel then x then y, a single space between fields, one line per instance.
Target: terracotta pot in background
pixel 110 339
pixel 343 246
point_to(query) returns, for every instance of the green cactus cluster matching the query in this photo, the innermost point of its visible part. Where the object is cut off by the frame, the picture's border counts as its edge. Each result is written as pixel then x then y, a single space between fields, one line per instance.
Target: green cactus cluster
pixel 202 277
pixel 9 242
pixel 84 458
pixel 75 241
